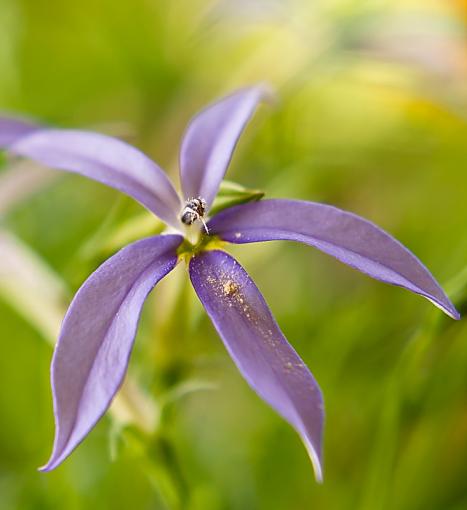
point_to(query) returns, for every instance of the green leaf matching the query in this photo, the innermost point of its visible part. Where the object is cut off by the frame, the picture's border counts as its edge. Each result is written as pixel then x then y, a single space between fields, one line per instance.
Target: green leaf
pixel 231 193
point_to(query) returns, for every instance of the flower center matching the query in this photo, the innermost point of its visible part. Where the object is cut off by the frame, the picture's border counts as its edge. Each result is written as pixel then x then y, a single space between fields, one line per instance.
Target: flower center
pixel 189 249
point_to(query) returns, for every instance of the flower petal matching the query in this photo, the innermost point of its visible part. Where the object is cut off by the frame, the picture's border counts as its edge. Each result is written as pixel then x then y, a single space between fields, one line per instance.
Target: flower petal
pixel 13 129
pixel 107 160
pixel 92 353
pixel 351 239
pixel 210 140
pixel 258 347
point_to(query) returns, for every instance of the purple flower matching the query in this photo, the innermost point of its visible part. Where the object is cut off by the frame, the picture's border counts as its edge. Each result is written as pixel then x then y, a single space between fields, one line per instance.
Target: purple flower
pixel 91 356
pixel 13 129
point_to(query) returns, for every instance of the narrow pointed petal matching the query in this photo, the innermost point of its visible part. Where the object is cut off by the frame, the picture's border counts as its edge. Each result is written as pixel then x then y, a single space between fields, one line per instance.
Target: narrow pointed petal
pixel 12 129
pixel 107 160
pixel 92 353
pixel 347 237
pixel 256 344
pixel 210 140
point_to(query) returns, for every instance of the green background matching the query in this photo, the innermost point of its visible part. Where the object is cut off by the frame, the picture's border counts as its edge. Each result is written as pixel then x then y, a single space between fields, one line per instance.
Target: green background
pixel 370 116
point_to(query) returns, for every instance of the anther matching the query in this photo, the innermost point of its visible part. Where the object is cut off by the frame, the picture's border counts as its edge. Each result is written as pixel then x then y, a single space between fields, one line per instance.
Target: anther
pixel 194 210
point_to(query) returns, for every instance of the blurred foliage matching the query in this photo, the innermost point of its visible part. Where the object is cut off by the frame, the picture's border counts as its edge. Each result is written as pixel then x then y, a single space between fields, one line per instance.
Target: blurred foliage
pixel 371 117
